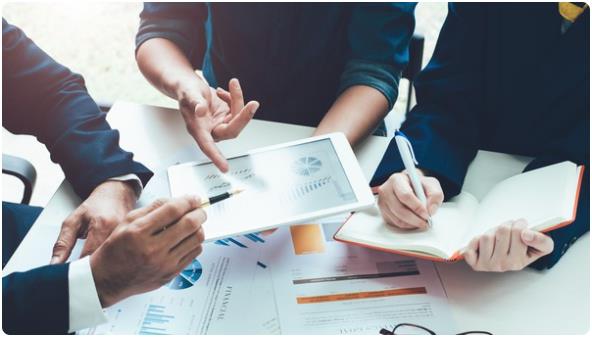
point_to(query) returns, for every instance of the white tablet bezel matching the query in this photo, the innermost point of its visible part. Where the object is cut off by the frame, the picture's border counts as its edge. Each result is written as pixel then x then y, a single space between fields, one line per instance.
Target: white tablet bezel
pixel 346 158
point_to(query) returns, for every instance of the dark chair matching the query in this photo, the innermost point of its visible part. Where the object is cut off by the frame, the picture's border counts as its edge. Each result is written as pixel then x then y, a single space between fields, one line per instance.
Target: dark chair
pixel 414 66
pixel 24 171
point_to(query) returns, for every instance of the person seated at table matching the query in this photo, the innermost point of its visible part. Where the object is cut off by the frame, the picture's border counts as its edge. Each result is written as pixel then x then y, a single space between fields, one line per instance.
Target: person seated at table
pixel 129 252
pixel 512 78
pixel 332 66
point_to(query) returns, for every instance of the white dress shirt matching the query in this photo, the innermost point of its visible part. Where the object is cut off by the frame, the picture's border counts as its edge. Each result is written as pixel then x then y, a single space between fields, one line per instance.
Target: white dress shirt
pixel 85 308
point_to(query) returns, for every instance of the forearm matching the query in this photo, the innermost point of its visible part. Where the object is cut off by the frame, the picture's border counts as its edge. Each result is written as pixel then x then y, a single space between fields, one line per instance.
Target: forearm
pixel 356 112
pixel 166 67
pixel 36 301
pixel 62 116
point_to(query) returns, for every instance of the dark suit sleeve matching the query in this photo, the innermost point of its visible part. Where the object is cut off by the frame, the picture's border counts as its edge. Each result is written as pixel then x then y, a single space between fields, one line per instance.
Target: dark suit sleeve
pixel 378 36
pixel 443 126
pixel 45 99
pixel 181 23
pixel 36 301
pixel 575 147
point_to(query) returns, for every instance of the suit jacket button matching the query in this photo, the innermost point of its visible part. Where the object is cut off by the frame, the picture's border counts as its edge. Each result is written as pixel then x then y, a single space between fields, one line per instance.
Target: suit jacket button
pixel 564 249
pixel 573 240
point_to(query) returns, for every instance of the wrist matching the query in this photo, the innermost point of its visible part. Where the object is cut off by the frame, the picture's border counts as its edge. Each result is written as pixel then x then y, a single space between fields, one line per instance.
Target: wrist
pixel 105 290
pixel 188 88
pixel 123 188
pixel 131 191
pixel 122 193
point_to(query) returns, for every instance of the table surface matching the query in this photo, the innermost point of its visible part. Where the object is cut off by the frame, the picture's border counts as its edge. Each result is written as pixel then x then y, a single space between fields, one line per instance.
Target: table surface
pixel 525 302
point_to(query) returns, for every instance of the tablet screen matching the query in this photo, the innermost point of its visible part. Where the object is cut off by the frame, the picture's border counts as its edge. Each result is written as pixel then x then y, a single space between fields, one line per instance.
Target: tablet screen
pixel 278 184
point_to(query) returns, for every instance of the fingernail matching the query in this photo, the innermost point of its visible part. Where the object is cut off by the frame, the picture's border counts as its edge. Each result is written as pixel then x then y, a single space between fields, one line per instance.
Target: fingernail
pixel 528 235
pixel 255 108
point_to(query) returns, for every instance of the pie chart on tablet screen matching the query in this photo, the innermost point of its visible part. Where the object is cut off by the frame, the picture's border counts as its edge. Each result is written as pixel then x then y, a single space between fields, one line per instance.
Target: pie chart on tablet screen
pixel 307 166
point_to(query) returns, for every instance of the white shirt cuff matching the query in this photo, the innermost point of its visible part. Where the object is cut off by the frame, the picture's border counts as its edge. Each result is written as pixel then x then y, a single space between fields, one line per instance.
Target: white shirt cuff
pixel 85 307
pixel 132 178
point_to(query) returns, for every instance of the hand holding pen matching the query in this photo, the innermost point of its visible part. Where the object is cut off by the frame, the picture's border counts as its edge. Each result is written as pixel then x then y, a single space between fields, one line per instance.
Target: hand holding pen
pixel 408 199
pixel 205 202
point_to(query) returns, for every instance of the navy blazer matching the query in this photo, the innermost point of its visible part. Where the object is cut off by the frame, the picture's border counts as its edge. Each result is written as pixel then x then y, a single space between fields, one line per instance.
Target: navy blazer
pixel 43 98
pixel 294 58
pixel 503 78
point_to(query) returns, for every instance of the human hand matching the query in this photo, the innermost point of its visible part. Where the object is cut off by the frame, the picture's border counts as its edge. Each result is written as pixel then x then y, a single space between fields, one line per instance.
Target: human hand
pixel 150 247
pixel 213 115
pixel 399 205
pixel 511 246
pixel 94 219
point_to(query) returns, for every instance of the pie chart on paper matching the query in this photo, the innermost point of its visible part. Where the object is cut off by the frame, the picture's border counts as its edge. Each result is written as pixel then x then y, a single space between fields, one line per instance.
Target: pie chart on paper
pixel 187 277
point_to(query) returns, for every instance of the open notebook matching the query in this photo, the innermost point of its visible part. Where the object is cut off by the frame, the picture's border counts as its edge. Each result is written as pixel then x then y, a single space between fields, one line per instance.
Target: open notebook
pixel 494 191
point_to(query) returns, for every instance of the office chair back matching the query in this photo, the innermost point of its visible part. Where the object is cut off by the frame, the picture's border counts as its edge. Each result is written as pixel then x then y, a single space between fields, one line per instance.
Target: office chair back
pixel 24 171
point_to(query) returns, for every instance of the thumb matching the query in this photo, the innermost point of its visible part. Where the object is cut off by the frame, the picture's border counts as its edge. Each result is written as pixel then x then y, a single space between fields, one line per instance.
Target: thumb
pixel 66 239
pixel 539 241
pixel 98 231
pixel 201 108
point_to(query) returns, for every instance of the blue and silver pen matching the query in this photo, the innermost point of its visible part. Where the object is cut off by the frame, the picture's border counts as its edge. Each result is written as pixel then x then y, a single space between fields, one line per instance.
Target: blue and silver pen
pixel 408 157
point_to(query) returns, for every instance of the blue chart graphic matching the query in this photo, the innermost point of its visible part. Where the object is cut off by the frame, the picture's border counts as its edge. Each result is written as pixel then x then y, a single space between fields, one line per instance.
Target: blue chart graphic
pixel 253 237
pixel 188 276
pixel 155 321
pixel 243 242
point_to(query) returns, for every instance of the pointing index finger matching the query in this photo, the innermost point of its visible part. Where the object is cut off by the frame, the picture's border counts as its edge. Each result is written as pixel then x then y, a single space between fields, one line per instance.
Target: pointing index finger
pixel 206 143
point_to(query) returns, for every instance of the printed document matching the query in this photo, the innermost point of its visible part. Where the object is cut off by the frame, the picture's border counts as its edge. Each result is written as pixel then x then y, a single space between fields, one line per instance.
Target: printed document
pixel 326 287
pixel 208 297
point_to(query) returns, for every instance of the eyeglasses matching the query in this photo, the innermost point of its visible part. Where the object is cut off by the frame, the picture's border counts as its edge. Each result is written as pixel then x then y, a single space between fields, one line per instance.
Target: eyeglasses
pixel 414 329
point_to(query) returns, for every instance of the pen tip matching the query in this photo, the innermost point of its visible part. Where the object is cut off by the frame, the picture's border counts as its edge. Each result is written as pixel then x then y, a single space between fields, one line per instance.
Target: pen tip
pixel 237 191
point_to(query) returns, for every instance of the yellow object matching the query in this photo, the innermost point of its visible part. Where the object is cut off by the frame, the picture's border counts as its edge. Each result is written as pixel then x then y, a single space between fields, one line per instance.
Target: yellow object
pixel 307 239
pixel 570 11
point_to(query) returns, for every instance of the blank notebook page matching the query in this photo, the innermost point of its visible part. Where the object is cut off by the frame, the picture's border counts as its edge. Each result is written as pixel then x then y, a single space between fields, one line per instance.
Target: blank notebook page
pixel 538 196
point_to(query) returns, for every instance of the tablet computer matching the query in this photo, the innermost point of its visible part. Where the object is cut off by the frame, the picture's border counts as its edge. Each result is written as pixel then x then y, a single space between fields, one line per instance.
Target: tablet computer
pixel 282 184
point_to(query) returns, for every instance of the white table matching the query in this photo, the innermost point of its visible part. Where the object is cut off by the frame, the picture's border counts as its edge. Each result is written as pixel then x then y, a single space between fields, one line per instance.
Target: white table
pixel 525 302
